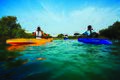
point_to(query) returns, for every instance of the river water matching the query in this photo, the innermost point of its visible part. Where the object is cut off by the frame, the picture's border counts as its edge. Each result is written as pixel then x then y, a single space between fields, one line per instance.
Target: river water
pixel 61 60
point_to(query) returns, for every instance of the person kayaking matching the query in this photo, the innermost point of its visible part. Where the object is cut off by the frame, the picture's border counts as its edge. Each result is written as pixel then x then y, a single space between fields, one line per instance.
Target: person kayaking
pixel 65 37
pixel 39 33
pixel 90 32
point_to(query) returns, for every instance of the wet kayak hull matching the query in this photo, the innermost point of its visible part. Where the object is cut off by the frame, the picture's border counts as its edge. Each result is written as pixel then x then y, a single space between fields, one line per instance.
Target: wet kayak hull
pixel 94 41
pixel 65 38
pixel 27 41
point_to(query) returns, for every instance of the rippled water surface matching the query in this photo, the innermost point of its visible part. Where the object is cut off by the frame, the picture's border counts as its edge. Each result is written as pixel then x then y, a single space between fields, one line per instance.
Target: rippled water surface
pixel 61 60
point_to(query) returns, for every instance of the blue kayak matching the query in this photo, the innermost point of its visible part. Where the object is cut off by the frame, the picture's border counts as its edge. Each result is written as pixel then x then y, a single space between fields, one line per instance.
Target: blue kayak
pixel 65 38
pixel 95 41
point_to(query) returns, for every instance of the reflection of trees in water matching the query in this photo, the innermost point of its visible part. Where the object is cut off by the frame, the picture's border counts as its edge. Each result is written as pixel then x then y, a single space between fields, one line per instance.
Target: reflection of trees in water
pixel 11 64
pixel 98 53
pixel 16 63
pixel 10 68
pixel 8 64
pixel 115 49
pixel 16 48
pixel 8 58
pixel 105 53
pixel 92 49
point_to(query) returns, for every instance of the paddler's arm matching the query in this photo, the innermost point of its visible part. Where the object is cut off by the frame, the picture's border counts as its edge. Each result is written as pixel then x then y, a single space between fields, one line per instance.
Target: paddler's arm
pixel 42 33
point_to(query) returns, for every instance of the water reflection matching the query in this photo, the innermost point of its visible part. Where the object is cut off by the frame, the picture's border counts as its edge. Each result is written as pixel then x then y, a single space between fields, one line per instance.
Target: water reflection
pixel 7 58
pixel 61 60
pixel 16 48
pixel 9 63
pixel 22 47
pixel 6 55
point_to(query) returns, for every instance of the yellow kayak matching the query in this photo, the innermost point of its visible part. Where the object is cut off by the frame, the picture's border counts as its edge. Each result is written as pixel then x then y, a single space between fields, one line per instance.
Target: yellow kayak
pixel 23 41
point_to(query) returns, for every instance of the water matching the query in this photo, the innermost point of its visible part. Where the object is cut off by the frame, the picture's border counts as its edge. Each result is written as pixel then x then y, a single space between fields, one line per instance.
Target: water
pixel 61 60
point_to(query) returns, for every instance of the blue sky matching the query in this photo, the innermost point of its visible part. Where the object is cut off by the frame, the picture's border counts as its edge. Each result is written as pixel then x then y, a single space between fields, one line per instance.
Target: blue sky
pixel 62 16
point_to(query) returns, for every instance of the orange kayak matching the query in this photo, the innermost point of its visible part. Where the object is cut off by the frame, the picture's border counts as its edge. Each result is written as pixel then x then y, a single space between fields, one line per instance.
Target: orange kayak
pixel 23 41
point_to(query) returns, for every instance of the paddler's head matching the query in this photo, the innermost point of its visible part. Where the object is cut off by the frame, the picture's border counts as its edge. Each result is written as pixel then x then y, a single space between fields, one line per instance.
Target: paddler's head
pixel 89 27
pixel 38 28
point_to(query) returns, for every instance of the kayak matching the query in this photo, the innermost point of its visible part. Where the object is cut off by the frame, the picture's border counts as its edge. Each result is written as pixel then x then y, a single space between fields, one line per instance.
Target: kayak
pixel 23 41
pixel 95 41
pixel 65 38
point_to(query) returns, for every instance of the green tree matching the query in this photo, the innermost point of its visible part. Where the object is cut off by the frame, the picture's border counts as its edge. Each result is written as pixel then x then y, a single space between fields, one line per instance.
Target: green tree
pixel 60 36
pixel 9 28
pixel 76 34
pixel 49 36
pixel 112 31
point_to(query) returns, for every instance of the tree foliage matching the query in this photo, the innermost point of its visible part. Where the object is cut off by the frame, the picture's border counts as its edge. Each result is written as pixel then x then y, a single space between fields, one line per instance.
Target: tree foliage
pixel 76 34
pixel 112 32
pixel 60 36
pixel 9 28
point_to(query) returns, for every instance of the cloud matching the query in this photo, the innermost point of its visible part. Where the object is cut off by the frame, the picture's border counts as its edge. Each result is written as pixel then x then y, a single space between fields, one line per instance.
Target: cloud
pixel 79 19
pixel 75 21
pixel 63 17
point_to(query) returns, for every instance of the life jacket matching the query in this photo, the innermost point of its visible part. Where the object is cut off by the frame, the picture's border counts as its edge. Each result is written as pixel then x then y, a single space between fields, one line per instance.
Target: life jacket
pixel 88 33
pixel 38 34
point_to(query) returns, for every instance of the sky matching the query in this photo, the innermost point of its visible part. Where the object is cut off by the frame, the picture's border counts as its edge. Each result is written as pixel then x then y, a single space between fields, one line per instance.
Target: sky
pixel 62 16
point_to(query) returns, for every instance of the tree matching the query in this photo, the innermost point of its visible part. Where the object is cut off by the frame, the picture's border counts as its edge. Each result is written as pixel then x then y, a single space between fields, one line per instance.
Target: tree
pixel 8 25
pixel 76 34
pixel 60 36
pixel 112 31
pixel 9 28
pixel 49 36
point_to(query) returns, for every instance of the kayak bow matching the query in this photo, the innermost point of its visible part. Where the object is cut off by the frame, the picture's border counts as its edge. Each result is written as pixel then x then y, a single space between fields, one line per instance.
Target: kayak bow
pixel 95 41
